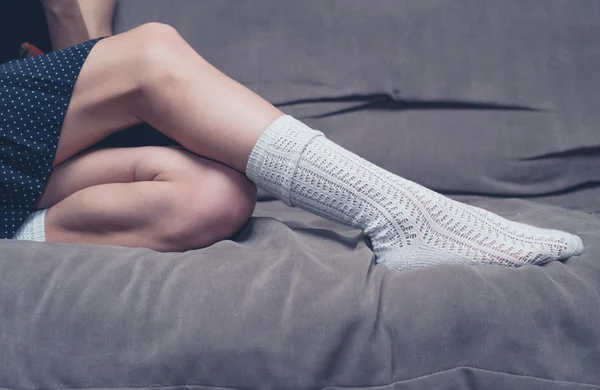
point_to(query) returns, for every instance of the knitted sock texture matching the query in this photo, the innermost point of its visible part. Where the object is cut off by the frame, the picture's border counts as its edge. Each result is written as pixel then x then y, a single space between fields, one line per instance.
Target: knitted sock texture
pixel 33 228
pixel 409 225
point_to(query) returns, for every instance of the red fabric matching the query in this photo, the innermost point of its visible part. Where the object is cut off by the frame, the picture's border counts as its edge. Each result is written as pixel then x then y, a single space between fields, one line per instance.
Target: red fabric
pixel 29 50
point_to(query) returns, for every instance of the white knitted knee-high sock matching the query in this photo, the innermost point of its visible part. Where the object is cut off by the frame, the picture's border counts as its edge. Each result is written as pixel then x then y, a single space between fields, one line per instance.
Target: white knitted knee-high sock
pixel 409 225
pixel 33 228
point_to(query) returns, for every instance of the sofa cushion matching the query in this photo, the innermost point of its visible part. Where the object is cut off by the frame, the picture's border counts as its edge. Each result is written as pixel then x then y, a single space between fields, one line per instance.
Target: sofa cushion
pixel 295 302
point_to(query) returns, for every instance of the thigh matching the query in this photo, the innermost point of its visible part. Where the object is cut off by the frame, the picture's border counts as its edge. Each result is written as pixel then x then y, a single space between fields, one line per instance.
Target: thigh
pixel 102 97
pixel 128 165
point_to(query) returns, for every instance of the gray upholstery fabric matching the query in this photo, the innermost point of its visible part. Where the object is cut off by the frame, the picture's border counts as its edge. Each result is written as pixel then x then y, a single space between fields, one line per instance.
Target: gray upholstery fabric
pixel 294 301
pixel 496 98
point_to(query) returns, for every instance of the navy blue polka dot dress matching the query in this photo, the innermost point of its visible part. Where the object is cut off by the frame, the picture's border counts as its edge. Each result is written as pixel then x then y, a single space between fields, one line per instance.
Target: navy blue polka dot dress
pixel 34 96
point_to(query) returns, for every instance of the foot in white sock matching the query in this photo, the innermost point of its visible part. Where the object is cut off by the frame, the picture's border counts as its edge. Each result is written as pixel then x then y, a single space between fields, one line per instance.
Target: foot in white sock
pixel 33 228
pixel 409 225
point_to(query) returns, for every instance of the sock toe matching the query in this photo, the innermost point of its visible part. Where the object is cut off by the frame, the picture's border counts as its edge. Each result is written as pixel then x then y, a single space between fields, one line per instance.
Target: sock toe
pixel 575 245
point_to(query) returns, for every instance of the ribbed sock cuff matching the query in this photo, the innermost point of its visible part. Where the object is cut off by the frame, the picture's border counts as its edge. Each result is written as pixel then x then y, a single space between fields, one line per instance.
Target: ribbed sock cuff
pixel 33 229
pixel 274 158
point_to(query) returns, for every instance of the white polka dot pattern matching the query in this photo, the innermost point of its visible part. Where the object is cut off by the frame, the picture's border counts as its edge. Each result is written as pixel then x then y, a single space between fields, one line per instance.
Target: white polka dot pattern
pixel 34 96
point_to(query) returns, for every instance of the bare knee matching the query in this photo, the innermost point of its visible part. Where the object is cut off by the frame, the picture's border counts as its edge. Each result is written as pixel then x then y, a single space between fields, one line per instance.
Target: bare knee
pixel 208 211
pixel 159 52
pixel 153 34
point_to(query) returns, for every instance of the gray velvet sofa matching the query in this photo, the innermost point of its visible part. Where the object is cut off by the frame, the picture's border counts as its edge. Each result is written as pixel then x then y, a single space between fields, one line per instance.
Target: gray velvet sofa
pixel 495 103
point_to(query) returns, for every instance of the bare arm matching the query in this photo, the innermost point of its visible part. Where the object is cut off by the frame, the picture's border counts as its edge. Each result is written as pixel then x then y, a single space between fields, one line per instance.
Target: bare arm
pixel 74 21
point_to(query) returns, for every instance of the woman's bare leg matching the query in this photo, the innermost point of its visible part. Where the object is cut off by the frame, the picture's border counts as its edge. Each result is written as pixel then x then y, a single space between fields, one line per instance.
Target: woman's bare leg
pixel 150 74
pixel 146 75
pixel 74 21
pixel 166 199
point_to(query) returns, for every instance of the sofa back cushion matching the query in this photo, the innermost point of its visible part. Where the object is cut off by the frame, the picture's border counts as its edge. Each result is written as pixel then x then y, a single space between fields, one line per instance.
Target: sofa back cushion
pixel 489 98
